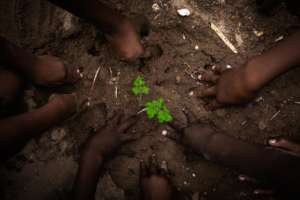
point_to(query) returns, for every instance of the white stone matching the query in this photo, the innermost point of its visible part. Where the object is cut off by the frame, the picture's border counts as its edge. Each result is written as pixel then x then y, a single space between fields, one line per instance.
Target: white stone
pixel 184 12
pixel 58 134
pixel 228 66
pixel 155 7
pixel 164 132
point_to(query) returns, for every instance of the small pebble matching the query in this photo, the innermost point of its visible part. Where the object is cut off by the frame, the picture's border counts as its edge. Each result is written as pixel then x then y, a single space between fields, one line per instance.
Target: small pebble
pixel 191 93
pixel 228 66
pixel 185 183
pixel 196 47
pixel 279 39
pixel 184 12
pixel 88 104
pixel 58 134
pixel 258 33
pixel 199 77
pixel 262 125
pixel 155 7
pixel 164 132
pixel 259 99
pixel 178 79
pixel 193 175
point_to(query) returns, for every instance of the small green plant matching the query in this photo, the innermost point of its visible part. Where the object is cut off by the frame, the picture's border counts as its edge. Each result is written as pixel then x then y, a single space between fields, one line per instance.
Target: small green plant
pixel 139 87
pixel 157 109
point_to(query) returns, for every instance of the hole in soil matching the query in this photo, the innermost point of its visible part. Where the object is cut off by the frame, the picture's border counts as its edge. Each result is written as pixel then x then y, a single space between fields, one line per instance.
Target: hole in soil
pixel 212 58
pixel 142 24
pixel 153 52
pixel 93 51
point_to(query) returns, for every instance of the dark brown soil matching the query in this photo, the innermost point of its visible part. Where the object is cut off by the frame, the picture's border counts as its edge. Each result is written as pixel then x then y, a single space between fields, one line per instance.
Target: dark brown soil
pixel 45 169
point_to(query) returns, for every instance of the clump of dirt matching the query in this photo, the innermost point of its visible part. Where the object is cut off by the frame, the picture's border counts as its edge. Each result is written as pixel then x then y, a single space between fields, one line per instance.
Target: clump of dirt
pixel 46 167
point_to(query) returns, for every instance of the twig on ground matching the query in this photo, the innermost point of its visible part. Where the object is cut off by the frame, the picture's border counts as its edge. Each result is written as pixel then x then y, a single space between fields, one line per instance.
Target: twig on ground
pixel 223 38
pixel 275 115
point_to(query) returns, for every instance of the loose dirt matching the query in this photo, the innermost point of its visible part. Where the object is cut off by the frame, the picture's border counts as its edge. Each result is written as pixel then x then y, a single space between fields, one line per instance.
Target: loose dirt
pixel 45 169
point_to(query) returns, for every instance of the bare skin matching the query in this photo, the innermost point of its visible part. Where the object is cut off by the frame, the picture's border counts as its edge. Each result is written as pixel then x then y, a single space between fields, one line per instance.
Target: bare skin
pixel 41 70
pixel 19 129
pixel 118 29
pixel 240 85
pixel 155 184
pixel 285 144
pixel 278 167
pixel 154 179
pixel 48 71
pixel 97 149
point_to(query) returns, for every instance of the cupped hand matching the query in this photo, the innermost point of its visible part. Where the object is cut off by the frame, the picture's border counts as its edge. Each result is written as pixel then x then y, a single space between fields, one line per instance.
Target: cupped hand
pixel 113 134
pixel 230 87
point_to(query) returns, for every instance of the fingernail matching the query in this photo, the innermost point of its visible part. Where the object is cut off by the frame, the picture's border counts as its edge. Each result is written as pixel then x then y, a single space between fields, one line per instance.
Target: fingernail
pixel 228 66
pixel 242 178
pixel 200 77
pixel 272 141
pixel 88 104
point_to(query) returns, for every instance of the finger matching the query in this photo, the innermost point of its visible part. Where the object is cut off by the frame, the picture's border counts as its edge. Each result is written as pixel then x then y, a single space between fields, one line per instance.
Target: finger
pixel 125 138
pixel 208 76
pixel 177 137
pixel 284 144
pixel 213 105
pixel 244 178
pixel 127 124
pixel 154 170
pixel 206 92
pixel 265 192
pixel 177 125
pixel 164 169
pixel 73 74
pixel 144 170
pixel 116 119
pixel 220 69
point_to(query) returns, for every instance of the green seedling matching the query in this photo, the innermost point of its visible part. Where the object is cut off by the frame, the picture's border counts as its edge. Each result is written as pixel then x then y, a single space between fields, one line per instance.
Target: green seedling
pixel 157 109
pixel 139 87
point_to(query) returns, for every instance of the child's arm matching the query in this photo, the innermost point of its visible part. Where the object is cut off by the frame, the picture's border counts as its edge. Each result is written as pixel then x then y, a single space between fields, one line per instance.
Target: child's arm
pixel 99 147
pixel 17 130
pixel 94 11
pixel 16 58
pixel 87 176
pixel 264 68
pixel 240 85
pixel 118 29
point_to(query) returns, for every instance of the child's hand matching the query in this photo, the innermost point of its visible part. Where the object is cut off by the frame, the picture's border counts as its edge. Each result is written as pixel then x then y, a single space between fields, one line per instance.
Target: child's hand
pixel 231 87
pixel 108 138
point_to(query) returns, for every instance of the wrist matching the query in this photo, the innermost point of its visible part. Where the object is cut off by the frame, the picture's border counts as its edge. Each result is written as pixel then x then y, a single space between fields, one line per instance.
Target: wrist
pixel 252 76
pixel 90 155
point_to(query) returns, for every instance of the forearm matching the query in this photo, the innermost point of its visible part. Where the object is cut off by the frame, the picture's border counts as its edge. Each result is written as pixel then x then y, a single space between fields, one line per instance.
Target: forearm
pixel 264 68
pixel 254 160
pixel 14 57
pixel 19 129
pixel 94 11
pixel 87 176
